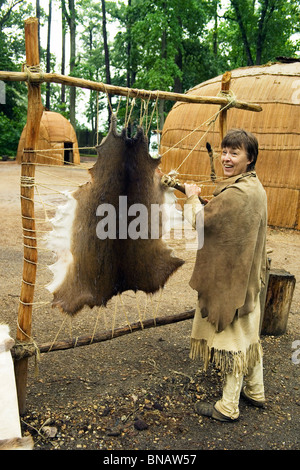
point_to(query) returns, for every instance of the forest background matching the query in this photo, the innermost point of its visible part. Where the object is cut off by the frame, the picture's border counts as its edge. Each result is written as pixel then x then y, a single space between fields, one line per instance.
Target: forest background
pixel 169 45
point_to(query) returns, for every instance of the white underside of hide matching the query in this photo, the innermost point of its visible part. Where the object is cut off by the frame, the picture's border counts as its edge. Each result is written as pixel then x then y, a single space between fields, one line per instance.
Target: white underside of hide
pixel 173 218
pixel 59 240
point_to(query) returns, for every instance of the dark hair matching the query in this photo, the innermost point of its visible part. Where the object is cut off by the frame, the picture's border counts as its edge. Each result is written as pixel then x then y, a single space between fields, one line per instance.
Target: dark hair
pixel 238 138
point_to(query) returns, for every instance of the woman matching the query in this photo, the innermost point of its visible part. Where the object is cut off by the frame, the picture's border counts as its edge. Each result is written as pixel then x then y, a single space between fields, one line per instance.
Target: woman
pixel 228 275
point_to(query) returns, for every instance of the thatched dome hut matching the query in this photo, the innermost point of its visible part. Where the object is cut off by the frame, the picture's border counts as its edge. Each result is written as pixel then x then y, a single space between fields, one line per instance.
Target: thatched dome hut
pixel 276 88
pixel 57 138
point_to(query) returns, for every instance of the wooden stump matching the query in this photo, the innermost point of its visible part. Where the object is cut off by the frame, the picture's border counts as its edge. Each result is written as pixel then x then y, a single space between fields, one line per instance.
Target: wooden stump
pixel 279 296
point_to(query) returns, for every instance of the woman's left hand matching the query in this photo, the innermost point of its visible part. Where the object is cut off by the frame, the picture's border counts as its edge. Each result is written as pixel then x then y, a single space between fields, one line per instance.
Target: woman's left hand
pixel 191 190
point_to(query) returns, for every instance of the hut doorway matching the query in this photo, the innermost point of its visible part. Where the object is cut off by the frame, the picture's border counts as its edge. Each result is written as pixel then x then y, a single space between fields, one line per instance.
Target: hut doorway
pixel 68 152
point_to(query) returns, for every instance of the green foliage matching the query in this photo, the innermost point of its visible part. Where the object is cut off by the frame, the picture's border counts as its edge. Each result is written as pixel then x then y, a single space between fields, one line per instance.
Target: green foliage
pixel 12 119
pixel 168 45
pixel 13 112
pixel 256 32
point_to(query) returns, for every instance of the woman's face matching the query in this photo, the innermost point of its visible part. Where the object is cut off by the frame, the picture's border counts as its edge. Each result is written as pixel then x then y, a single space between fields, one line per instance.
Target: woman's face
pixel 234 161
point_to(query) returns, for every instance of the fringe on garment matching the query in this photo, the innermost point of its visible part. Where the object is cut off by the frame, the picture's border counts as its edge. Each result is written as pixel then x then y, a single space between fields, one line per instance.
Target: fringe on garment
pixel 227 362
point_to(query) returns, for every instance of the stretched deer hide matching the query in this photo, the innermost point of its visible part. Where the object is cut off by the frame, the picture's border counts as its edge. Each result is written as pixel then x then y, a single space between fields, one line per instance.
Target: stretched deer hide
pixel 97 256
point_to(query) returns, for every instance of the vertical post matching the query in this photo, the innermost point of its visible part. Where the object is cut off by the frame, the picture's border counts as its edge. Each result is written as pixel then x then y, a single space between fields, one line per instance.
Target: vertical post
pixel 225 85
pixel 34 113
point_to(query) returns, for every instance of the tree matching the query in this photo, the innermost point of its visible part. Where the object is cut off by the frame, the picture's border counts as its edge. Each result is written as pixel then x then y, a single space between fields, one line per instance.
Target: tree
pixel 63 56
pixel 91 57
pixel 13 111
pixel 260 29
pixel 70 16
pixel 153 46
pixel 48 54
pixel 6 11
pixel 106 54
pixel 176 44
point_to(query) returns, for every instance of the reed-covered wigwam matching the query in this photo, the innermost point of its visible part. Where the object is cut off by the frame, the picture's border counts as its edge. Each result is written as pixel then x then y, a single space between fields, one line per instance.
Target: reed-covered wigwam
pixel 57 143
pixel 276 88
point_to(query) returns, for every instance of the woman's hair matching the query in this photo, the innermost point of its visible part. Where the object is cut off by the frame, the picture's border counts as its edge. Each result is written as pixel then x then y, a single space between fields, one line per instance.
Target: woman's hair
pixel 239 138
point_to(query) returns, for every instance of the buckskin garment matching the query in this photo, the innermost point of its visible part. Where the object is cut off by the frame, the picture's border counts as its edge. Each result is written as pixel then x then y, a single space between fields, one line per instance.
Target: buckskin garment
pixel 231 265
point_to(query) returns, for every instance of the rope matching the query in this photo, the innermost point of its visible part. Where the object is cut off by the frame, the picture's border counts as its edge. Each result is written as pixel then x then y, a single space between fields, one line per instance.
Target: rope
pixel 96 323
pixel 125 312
pixel 210 121
pixel 27 181
pixel 129 116
pixel 30 182
pixel 56 336
pixel 33 69
pixel 230 96
pixel 139 311
pixel 30 345
pixel 201 138
pixel 145 105
pixel 151 117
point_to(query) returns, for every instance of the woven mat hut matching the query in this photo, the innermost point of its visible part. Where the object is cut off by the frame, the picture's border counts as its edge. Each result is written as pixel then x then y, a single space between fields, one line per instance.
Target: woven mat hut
pixel 276 88
pixel 57 141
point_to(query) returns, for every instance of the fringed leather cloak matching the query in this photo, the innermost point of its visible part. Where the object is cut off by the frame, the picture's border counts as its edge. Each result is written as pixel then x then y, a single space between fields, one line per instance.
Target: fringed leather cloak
pixel 231 266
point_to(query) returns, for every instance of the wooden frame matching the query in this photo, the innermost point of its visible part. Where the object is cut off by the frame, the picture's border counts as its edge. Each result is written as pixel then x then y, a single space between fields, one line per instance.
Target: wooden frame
pixel 34 78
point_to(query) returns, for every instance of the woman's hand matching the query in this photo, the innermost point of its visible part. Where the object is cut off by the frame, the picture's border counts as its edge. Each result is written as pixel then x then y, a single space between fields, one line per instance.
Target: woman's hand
pixel 191 190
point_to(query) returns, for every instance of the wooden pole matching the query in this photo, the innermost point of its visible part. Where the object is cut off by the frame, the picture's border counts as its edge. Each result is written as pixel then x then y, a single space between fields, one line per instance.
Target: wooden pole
pixel 124 91
pixel 34 113
pixel 85 340
pixel 225 85
pixel 279 297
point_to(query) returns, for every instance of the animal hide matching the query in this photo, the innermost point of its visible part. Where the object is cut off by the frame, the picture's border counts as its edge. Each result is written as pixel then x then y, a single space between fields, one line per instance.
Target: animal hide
pixel 91 270
pixel 17 443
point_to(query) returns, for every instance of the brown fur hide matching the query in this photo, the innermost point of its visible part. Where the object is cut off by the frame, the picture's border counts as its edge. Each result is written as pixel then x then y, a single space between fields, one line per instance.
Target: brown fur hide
pixel 17 443
pixel 102 268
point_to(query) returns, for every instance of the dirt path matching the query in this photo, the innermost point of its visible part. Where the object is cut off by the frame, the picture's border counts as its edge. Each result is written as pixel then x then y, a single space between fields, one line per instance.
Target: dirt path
pixel 138 391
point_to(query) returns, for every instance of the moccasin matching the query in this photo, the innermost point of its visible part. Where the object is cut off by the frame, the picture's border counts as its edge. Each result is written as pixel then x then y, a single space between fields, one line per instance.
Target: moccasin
pixel 207 409
pixel 258 404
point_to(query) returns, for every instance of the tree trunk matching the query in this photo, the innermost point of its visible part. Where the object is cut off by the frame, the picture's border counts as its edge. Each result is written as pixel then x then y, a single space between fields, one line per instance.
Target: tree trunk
pixel 92 106
pixel 243 31
pixel 262 26
pixel 215 31
pixel 70 17
pixel 63 55
pixel 72 26
pixel 161 104
pixel 48 54
pixel 130 77
pixel 106 54
pixel 177 80
pixel 129 82
pixel 38 15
